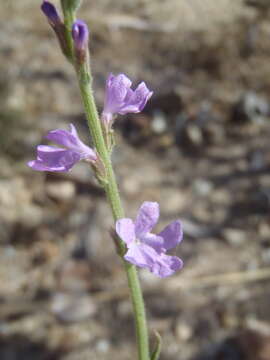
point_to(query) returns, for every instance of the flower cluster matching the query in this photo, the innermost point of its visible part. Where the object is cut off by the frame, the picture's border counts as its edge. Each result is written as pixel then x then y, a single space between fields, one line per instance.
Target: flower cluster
pixel 148 250
pixel 144 249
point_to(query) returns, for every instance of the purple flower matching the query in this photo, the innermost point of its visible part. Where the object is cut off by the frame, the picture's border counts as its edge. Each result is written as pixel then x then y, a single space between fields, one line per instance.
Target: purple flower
pixel 50 11
pixel 51 158
pixel 121 99
pixel 148 250
pixel 80 34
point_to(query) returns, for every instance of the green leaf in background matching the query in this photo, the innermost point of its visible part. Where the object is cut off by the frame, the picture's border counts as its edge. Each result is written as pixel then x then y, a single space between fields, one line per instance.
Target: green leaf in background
pixel 156 353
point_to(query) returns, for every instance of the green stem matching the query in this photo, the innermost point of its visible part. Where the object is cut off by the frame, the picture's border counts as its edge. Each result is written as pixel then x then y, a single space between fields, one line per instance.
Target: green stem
pixel 69 19
pixel 113 197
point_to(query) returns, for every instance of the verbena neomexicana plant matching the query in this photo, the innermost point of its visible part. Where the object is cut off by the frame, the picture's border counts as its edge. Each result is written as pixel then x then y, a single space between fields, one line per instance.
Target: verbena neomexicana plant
pixel 136 245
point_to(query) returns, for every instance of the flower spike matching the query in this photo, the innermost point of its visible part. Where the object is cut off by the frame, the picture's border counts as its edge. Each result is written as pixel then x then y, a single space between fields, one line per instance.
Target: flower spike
pixel 148 250
pixel 58 159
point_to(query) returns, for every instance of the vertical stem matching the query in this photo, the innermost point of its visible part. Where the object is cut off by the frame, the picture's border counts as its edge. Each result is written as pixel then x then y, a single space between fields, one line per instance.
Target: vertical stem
pixel 139 311
pixel 69 18
pixel 113 197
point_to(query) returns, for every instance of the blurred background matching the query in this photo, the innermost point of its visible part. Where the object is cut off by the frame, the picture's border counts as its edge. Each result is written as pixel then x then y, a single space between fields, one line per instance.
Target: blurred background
pixel 200 148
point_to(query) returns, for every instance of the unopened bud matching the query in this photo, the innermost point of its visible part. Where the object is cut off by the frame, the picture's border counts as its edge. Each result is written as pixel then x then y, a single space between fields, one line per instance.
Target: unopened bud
pixel 57 25
pixel 52 14
pixel 80 34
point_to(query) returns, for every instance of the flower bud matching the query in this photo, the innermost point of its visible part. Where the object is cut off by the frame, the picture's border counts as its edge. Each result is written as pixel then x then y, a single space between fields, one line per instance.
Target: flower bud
pixel 52 14
pixel 57 25
pixel 80 34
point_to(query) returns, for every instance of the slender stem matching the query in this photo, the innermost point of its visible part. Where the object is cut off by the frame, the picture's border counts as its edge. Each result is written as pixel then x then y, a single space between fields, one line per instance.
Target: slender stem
pixel 110 184
pixel 139 311
pixel 113 197
pixel 69 18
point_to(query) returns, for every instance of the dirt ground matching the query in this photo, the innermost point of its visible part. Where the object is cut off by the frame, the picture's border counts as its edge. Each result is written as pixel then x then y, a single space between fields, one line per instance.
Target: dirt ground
pixel 200 148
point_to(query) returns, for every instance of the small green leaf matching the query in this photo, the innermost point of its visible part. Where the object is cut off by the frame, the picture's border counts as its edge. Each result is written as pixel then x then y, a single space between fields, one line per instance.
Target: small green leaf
pixel 156 353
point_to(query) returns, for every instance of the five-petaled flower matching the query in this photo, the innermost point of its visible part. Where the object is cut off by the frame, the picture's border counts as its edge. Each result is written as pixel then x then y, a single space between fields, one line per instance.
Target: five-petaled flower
pixel 148 250
pixel 58 159
pixel 121 99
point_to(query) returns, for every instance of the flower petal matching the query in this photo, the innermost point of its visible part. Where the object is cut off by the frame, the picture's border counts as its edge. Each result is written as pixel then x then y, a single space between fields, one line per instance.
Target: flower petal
pixel 80 35
pixel 109 81
pixel 172 235
pixel 55 157
pixel 141 255
pixel 117 87
pixel 125 229
pixel 63 137
pixel 72 141
pixel 166 265
pixel 153 240
pixel 136 100
pixel 147 218
pixel 38 165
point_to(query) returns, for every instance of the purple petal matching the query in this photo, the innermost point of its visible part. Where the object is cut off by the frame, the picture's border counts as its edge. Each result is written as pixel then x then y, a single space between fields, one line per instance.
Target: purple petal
pixel 136 100
pixel 166 265
pixel 63 137
pixel 172 235
pixel 50 11
pixel 80 34
pixel 121 81
pixel 73 131
pixel 141 255
pixel 125 229
pixel 155 241
pixel 38 165
pixel 72 141
pixel 143 95
pixel 117 87
pixel 56 158
pixel 86 151
pixel 147 218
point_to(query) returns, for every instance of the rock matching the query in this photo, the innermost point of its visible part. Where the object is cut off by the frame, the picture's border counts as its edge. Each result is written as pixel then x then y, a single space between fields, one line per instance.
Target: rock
pixel 256 160
pixel 169 103
pixel 16 207
pixel 173 201
pixel 74 276
pixel 61 190
pixel 202 187
pixel 250 108
pixel 103 346
pixel 45 251
pixel 70 307
pixel 263 5
pixel 183 331
pixel 235 237
pixel 198 127
pixel 159 124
